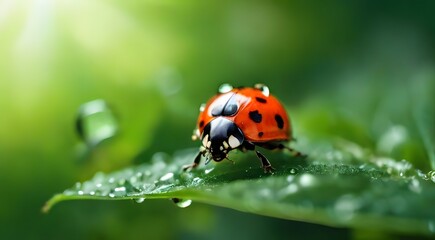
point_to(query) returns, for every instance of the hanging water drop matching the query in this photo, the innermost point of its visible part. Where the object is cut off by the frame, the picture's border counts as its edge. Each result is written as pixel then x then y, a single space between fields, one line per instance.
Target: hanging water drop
pixel 139 200
pixel 182 203
pixel 96 122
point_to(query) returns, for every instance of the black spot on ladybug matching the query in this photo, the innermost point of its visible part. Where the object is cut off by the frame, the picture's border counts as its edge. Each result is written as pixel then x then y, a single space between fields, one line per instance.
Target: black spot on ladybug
pixel 279 121
pixel 201 124
pixel 255 116
pixel 230 109
pixel 261 100
pixel 260 134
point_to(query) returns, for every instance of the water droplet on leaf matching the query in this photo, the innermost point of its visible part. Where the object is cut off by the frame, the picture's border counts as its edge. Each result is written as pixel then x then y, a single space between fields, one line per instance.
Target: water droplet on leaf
pixel 196 181
pixel 167 176
pixel 120 189
pixel 118 192
pixel 207 171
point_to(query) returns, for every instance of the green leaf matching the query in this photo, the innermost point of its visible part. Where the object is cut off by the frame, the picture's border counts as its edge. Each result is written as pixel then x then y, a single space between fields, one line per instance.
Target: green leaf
pixel 339 184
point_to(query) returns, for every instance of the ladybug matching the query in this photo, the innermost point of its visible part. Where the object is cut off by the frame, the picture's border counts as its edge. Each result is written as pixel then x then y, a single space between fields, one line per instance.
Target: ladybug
pixel 241 118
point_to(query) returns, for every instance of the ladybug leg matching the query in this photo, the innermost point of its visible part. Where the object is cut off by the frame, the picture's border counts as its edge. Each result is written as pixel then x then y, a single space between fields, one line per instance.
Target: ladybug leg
pixel 265 164
pixel 280 146
pixel 247 146
pixel 195 162
pixel 294 152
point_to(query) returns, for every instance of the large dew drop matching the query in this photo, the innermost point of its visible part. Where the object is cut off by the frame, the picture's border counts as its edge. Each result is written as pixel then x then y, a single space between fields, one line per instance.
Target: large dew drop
pixel 96 122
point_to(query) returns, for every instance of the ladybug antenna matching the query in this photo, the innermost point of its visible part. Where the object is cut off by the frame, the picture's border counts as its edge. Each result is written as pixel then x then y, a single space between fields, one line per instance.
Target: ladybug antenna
pixel 207 160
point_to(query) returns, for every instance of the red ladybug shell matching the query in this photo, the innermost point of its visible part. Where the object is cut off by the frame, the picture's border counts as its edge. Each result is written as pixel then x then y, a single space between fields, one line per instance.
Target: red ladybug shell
pixel 260 116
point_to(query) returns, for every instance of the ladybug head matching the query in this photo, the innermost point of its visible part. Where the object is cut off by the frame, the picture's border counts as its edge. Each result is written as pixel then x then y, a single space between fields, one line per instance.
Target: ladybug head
pixel 219 137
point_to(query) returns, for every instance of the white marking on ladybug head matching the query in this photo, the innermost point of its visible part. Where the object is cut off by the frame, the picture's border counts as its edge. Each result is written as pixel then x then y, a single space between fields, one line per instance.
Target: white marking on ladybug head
pixel 233 141
pixel 208 144
pixel 205 140
pixel 226 146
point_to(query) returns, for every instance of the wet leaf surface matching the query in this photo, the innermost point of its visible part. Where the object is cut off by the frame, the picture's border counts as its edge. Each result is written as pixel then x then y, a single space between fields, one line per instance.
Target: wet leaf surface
pixel 330 187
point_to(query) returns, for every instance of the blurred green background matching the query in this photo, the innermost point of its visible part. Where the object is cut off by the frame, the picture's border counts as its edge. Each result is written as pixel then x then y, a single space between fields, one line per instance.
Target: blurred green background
pixel 155 62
